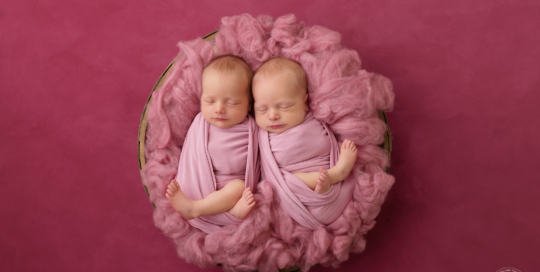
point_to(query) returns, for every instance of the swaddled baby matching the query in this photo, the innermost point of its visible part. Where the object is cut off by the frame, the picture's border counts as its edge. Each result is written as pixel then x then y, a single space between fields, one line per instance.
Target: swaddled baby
pixel 297 149
pixel 218 166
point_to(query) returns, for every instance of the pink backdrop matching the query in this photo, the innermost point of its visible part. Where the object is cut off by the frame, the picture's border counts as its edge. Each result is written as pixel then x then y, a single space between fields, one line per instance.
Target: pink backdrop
pixel 74 77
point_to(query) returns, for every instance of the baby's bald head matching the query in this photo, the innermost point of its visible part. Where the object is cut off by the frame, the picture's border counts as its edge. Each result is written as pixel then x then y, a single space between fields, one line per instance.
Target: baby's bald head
pixel 230 64
pixel 280 65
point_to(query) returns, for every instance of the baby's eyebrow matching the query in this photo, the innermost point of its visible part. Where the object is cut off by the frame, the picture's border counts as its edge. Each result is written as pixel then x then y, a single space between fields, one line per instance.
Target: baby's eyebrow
pixel 284 102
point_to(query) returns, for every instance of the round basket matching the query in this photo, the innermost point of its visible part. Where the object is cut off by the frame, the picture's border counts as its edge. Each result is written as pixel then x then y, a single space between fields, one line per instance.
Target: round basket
pixel 387 145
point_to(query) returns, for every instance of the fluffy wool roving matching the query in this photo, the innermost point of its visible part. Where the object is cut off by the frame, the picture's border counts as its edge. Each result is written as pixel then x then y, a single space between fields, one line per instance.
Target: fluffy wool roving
pixel 342 95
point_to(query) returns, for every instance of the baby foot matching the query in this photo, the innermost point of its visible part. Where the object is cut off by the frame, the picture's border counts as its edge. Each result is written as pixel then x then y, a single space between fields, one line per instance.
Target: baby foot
pixel 324 183
pixel 179 201
pixel 345 163
pixel 244 205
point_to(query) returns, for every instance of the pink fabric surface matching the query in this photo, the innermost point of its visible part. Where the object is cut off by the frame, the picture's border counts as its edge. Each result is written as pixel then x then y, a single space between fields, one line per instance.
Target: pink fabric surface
pixel 303 149
pixel 211 158
pixel 75 76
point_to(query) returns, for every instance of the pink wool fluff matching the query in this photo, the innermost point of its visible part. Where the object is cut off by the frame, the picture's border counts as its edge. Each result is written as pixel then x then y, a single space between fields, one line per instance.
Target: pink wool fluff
pixel 342 94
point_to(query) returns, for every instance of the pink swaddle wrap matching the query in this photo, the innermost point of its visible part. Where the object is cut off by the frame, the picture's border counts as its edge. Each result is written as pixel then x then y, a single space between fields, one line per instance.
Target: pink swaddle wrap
pixel 211 157
pixel 302 149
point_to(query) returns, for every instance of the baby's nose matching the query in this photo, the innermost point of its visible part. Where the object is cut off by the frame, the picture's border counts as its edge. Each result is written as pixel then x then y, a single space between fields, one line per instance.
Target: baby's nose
pixel 220 108
pixel 273 114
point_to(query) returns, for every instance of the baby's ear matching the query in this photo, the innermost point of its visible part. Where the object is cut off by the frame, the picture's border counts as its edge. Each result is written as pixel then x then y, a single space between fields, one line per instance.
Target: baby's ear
pixel 306 103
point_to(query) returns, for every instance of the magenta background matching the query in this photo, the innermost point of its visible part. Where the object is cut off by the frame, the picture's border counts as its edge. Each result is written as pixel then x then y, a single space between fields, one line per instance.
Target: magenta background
pixel 75 75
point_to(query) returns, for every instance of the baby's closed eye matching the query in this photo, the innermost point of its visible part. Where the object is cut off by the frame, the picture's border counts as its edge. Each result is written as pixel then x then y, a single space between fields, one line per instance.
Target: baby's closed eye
pixel 285 106
pixel 261 109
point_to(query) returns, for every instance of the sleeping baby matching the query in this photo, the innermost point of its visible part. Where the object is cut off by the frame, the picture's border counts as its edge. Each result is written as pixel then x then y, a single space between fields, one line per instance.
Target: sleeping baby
pixel 297 149
pixel 218 167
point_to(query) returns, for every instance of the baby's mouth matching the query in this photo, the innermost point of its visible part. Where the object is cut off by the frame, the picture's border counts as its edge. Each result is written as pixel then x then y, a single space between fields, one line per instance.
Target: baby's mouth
pixel 220 119
pixel 276 126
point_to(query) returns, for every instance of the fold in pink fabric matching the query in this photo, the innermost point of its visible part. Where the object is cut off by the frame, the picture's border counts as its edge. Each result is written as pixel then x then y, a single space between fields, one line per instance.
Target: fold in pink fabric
pixel 302 149
pixel 211 158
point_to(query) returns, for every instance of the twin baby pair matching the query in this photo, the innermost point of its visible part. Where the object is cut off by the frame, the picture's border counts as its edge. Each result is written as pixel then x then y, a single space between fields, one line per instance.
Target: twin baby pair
pixel 299 156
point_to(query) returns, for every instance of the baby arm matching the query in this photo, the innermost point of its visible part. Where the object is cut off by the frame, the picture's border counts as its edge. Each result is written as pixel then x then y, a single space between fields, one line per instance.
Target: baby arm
pixel 323 180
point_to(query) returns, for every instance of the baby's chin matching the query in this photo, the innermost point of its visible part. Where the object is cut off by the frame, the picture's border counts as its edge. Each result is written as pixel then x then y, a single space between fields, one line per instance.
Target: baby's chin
pixel 277 130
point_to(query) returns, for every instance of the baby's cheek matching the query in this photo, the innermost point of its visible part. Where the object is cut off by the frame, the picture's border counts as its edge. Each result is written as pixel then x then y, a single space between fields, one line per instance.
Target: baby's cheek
pixel 260 116
pixel 296 117
pixel 259 120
